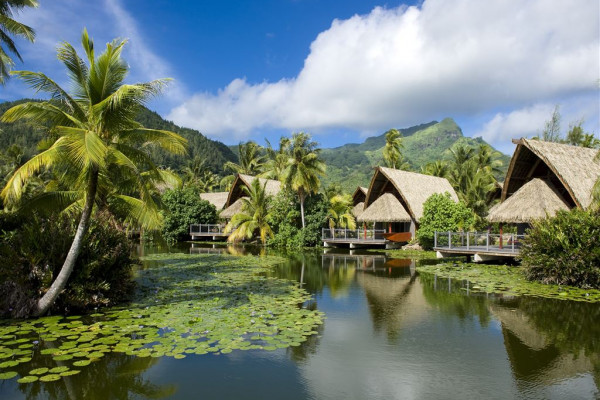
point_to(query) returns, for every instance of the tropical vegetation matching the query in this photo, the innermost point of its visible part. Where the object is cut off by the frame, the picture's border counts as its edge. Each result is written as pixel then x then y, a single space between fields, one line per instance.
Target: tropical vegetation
pixel 254 217
pixel 182 208
pixel 9 26
pixel 95 147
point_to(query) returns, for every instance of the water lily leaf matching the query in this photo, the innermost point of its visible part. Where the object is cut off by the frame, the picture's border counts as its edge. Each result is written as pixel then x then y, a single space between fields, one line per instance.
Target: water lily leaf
pixel 39 371
pixel 50 378
pixel 28 379
pixel 57 370
pixel 7 375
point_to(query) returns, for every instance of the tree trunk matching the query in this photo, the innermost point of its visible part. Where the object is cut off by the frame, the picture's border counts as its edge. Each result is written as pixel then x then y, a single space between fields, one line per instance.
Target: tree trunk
pixel 301 195
pixel 60 282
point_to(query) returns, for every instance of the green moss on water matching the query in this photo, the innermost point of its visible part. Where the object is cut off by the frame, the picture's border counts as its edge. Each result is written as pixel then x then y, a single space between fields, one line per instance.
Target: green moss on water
pixel 507 280
pixel 185 304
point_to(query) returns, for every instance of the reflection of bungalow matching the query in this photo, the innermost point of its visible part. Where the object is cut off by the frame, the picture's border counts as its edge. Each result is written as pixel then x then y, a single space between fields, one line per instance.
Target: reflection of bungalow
pixel 358 200
pixel 233 205
pixel 395 200
pixel 544 177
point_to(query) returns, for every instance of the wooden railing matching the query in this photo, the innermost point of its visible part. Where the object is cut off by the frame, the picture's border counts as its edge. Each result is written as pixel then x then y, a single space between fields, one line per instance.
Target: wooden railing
pixel 355 235
pixel 478 241
pixel 207 230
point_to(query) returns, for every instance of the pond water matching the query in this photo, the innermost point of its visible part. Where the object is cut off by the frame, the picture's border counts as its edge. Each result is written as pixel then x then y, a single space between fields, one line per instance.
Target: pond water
pixel 389 333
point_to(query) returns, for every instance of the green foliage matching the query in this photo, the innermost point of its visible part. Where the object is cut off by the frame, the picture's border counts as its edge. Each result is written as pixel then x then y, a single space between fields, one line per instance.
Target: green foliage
pixel 286 220
pixel 255 215
pixel 441 213
pixel 183 208
pixel 340 212
pixel 564 249
pixel 9 26
pixel 32 251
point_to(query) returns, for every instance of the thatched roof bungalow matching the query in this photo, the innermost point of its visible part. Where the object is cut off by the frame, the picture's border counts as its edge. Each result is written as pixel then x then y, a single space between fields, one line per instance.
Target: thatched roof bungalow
pixel 233 205
pixel 395 198
pixel 217 199
pixel 358 200
pixel 544 177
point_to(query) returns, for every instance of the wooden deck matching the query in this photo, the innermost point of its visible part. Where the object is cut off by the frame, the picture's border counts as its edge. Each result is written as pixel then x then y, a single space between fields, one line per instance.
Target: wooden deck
pixel 482 246
pixel 207 231
pixel 356 238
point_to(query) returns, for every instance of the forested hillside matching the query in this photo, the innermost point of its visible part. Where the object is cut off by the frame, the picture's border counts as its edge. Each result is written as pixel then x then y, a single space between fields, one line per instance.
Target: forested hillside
pixel 351 165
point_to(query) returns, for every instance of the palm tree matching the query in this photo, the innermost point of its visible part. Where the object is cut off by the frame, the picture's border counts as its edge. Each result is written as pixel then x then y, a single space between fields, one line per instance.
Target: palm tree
pixel 392 151
pixel 303 168
pixel 277 159
pixel 251 161
pixel 437 168
pixel 340 212
pixel 97 145
pixel 9 26
pixel 254 216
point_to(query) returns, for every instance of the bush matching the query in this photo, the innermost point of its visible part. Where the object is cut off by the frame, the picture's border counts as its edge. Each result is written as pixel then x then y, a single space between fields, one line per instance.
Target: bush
pixel 185 207
pixel 441 213
pixel 33 251
pixel 286 221
pixel 564 249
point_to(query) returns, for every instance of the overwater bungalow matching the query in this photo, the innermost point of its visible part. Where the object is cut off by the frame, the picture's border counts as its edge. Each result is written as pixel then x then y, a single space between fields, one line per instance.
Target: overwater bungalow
pixel 229 204
pixel 543 178
pixel 393 207
pixel 358 200
pixel 395 199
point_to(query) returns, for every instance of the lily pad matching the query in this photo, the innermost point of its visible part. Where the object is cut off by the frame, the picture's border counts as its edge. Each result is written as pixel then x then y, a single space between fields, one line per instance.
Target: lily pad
pixel 28 379
pixel 50 378
pixel 8 375
pixel 39 371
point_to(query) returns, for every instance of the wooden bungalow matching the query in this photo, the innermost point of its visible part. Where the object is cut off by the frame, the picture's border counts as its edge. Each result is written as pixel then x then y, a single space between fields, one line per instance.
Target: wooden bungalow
pixel 395 199
pixel 358 200
pixel 233 205
pixel 544 177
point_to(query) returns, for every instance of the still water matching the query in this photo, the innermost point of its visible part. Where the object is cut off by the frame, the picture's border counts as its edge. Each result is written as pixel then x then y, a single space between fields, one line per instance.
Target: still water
pixel 389 333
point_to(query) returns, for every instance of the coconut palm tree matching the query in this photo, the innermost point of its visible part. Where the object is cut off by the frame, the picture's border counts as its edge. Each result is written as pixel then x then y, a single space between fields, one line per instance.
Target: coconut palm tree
pixel 392 154
pixel 8 26
pixel 254 216
pixel 251 160
pixel 303 168
pixel 97 145
pixel 340 212
pixel 437 168
pixel 277 159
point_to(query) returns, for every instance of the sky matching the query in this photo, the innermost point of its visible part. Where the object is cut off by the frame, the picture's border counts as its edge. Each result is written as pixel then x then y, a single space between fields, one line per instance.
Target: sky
pixel 342 70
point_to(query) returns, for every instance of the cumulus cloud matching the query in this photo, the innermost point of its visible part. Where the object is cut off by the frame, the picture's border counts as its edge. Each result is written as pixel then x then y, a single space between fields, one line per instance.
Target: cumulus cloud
pixel 402 66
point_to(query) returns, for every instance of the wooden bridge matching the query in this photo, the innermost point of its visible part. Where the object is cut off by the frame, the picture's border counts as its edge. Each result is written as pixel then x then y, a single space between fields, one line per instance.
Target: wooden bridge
pixel 204 231
pixel 355 238
pixel 483 246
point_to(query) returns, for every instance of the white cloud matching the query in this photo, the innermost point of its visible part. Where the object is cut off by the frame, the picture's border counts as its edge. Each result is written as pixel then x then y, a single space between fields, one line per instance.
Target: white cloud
pixel 525 122
pixel 397 67
pixel 57 21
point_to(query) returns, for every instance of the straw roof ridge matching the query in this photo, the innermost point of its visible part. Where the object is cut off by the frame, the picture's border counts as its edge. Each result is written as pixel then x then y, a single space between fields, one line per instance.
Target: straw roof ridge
pixel 416 188
pixel 537 199
pixel 272 187
pixel 386 208
pixel 217 199
pixel 358 209
pixel 574 166
pixel 233 209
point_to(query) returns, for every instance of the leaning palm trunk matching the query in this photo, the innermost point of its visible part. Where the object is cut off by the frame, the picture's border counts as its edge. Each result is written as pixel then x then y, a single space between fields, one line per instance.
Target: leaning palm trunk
pixel 60 282
pixel 302 196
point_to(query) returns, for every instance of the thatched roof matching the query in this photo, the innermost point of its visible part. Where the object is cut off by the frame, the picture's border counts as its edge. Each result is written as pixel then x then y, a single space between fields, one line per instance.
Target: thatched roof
pixel 411 188
pixel 536 199
pixel 233 209
pixel 358 209
pixel 217 199
pixel 359 195
pixel 387 208
pixel 272 187
pixel 571 169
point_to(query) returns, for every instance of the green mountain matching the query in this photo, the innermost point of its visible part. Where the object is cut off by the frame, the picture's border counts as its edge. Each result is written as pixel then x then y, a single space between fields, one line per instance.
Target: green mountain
pixel 27 136
pixel 352 164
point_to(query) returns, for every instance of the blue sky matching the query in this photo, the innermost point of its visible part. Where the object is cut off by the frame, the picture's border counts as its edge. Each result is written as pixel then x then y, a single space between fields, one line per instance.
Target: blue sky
pixel 343 70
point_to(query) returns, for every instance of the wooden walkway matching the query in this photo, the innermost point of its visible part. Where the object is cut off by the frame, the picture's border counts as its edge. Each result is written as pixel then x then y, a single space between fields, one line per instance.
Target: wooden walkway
pixel 483 246
pixel 204 231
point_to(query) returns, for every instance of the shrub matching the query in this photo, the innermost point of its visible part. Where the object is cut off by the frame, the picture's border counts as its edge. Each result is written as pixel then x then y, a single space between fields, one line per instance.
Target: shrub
pixel 183 208
pixel 33 251
pixel 564 249
pixel 441 213
pixel 287 225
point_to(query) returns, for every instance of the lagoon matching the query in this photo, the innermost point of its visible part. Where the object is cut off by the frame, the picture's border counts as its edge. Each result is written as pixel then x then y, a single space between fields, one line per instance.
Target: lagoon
pixel 389 332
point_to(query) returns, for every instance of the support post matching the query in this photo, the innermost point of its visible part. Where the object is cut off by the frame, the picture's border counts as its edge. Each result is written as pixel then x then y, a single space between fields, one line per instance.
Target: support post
pixel 500 236
pixel 365 228
pixel 487 242
pixel 468 240
pixel 449 240
pixel 434 239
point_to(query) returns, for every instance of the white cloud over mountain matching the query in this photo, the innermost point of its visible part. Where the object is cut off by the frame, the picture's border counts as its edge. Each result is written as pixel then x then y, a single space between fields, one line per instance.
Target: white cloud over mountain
pixel 397 67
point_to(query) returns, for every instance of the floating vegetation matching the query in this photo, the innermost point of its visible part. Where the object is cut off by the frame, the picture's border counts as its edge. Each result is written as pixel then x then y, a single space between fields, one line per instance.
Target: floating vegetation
pixel 507 280
pixel 185 304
